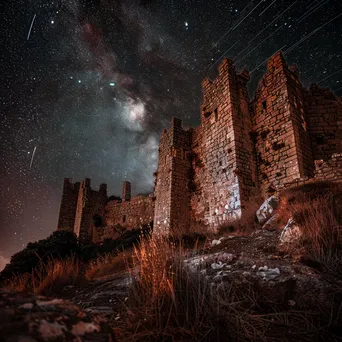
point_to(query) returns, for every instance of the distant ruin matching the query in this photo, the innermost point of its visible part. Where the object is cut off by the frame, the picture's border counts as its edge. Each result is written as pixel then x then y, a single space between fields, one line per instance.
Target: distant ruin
pixel 286 135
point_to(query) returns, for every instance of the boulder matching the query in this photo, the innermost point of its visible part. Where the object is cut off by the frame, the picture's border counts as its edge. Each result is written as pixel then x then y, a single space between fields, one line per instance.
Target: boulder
pixel 25 317
pixel 266 210
pixel 291 232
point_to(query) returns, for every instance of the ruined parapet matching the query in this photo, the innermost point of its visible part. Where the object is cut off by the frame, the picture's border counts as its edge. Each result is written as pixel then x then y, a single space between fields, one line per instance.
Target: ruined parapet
pixel 89 203
pixel 126 191
pixel 324 116
pixel 330 170
pixel 68 206
pixel 280 128
pixel 130 214
pixel 173 181
pixel 227 150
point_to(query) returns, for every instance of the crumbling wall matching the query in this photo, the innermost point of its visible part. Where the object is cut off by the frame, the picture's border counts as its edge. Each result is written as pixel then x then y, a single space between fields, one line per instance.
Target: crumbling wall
pixel 130 214
pixel 161 221
pixel 330 170
pixel 227 150
pixel 182 182
pixel 280 128
pixel 89 203
pixel 198 202
pixel 324 115
pixel 68 206
pixel 173 181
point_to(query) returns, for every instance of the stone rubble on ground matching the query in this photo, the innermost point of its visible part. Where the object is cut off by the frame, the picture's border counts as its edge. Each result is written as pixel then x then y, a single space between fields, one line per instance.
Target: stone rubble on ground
pixel 291 232
pixel 266 209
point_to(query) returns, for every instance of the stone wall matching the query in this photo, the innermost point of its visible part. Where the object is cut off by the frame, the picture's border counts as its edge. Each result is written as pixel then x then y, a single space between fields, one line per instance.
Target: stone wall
pixel 68 206
pixel 89 203
pixel 174 180
pixel 227 150
pixel 279 128
pixel 324 115
pixel 130 214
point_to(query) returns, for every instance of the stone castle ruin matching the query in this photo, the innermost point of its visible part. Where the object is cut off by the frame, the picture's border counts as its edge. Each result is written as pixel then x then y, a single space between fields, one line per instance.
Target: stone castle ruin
pixel 286 135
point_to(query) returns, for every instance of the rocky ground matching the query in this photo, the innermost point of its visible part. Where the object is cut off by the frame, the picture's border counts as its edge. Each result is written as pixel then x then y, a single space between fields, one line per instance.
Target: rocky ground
pixel 256 260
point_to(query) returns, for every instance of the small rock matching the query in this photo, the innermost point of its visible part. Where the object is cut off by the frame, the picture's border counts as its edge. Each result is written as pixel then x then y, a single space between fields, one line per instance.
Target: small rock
pixel 266 209
pixel 291 232
pixel 262 269
pixel 291 302
pixel 217 266
pixel 253 267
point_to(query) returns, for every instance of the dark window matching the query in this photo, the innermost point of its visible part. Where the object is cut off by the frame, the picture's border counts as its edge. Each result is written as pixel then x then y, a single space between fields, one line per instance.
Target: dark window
pixel 319 140
pixel 216 114
pixel 264 105
pixel 124 219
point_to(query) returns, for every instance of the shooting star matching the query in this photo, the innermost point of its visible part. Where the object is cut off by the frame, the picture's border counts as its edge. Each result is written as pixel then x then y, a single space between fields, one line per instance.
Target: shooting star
pixel 279 16
pixel 269 36
pixel 34 151
pixel 311 11
pixel 267 8
pixel 257 67
pixel 325 78
pixel 29 32
pixel 222 55
pixel 309 35
pixel 228 30
pixel 243 19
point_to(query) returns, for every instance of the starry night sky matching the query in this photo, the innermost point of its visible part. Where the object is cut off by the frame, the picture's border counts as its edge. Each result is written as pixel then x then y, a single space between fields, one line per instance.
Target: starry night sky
pixel 88 85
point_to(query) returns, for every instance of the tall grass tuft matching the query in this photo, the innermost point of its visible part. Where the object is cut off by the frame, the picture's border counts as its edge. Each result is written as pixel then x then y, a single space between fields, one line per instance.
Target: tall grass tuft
pixel 48 278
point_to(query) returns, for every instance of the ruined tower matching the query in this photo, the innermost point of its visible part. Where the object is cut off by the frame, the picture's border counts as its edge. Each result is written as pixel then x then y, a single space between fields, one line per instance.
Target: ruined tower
pixel 227 151
pixel 126 191
pixel 280 127
pixel 68 206
pixel 89 203
pixel 172 207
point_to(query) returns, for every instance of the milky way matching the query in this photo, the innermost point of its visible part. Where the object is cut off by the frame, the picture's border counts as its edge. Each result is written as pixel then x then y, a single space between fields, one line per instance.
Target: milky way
pixel 88 86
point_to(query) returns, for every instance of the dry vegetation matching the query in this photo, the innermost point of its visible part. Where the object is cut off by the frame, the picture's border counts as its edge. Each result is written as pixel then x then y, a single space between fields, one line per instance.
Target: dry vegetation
pixel 49 278
pixel 108 264
pixel 318 213
pixel 167 302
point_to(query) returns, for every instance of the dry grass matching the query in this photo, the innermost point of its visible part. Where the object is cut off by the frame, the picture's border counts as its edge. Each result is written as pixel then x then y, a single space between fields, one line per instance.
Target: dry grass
pixel 321 239
pixel 169 303
pixel 108 264
pixel 49 278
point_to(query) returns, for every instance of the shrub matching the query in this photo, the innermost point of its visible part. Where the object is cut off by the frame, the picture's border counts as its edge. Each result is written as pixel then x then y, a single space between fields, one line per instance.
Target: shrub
pixel 59 245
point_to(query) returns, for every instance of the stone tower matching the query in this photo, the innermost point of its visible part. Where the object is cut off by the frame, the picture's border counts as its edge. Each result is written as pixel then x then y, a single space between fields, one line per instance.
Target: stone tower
pixel 68 206
pixel 172 207
pixel 227 150
pixel 280 127
pixel 126 191
pixel 89 203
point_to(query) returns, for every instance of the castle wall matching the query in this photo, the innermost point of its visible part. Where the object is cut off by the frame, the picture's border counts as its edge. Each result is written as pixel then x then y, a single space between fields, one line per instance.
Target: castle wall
pixel 324 115
pixel 279 128
pixel 181 179
pixel 130 214
pixel 89 203
pixel 68 206
pixel 162 213
pixel 173 181
pixel 227 150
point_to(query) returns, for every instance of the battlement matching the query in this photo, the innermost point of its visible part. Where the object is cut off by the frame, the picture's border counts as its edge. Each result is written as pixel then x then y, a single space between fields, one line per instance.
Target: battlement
pixel 244 148
pixel 206 175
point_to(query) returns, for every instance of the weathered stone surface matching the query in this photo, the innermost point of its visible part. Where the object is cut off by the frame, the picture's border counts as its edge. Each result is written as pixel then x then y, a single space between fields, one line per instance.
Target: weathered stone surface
pixel 266 210
pixel 31 318
pixel 291 232
pixel 287 135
